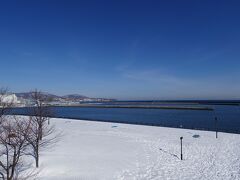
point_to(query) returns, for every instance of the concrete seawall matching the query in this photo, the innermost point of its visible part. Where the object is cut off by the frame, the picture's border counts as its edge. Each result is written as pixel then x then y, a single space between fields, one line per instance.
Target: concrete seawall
pixel 143 107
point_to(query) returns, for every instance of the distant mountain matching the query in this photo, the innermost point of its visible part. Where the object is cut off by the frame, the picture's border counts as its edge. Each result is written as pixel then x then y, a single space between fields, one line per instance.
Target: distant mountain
pixel 74 96
pixel 23 95
pixel 53 97
pixel 68 98
pixel 28 95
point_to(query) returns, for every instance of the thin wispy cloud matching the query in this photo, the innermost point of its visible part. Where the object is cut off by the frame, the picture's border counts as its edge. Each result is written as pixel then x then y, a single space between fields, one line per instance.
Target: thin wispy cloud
pixel 175 86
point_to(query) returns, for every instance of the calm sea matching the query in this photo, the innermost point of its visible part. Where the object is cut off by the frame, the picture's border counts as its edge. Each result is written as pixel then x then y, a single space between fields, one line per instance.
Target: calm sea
pixel 228 116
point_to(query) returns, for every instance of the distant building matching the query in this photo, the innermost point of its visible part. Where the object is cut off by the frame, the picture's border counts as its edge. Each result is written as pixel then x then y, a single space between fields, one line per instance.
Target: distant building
pixel 9 98
pixel 25 102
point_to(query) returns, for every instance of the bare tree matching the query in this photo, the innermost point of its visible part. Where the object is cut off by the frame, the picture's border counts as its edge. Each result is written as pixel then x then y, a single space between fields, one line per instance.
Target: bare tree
pixel 13 145
pixel 37 144
pixel 23 137
pixel 41 112
pixel 41 134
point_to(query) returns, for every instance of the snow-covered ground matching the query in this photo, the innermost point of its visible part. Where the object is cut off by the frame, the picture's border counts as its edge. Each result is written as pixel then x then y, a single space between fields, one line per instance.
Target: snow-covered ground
pixel 99 150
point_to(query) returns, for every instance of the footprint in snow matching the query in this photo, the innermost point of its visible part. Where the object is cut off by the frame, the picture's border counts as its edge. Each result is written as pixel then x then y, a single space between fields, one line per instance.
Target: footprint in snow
pixel 196 136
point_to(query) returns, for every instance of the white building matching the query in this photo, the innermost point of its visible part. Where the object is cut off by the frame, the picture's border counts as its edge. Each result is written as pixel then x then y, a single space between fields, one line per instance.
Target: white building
pixel 9 98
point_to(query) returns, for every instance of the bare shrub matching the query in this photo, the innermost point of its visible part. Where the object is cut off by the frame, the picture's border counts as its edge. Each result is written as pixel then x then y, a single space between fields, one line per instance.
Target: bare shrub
pixel 13 145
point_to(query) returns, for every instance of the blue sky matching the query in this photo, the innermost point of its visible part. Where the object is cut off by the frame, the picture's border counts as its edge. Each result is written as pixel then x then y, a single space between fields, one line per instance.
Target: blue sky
pixel 122 49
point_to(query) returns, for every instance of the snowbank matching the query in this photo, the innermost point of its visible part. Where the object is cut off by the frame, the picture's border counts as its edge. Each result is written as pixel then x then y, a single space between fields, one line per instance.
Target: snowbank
pixel 97 150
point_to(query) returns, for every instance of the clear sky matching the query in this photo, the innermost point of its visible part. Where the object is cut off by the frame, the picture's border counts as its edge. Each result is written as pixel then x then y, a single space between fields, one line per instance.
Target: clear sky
pixel 126 49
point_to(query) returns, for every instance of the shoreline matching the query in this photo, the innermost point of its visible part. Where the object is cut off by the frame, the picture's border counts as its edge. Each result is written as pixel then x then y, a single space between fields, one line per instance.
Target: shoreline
pixel 139 123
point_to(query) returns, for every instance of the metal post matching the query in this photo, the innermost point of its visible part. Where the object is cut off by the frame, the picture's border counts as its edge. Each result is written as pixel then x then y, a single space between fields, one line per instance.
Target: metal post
pixel 181 148
pixel 216 121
